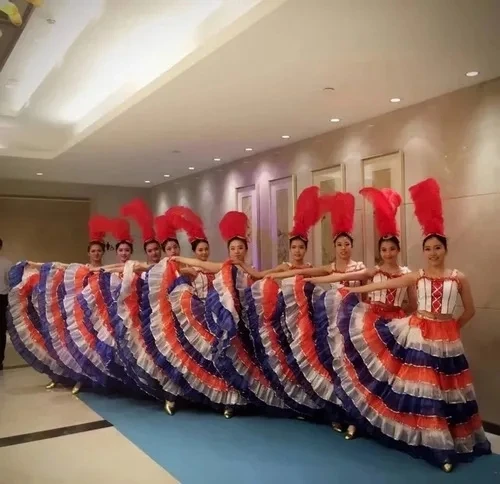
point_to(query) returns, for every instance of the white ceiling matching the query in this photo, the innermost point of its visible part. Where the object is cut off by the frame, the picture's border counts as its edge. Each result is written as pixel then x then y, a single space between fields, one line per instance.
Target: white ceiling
pixel 243 77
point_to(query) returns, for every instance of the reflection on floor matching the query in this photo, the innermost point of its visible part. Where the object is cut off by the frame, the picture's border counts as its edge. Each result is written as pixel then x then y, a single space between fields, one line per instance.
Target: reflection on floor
pixel 54 437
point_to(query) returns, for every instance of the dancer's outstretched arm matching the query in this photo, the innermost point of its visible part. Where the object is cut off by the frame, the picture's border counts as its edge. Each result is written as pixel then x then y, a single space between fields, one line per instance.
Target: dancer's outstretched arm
pixel 396 283
pixel 309 271
pixel 363 275
pixel 205 265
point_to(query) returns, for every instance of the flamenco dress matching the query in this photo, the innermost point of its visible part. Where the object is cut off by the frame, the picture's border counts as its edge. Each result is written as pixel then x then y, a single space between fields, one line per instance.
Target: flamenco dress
pixel 135 343
pixel 192 341
pixel 24 324
pixel 232 347
pixel 308 326
pixel 406 380
pixel 81 286
pixel 264 306
pixel 50 296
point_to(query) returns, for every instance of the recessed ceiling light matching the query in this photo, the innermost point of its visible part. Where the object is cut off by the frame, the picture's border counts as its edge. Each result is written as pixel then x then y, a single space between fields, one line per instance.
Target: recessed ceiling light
pixel 166 176
pixel 248 149
pixel 395 100
pixel 147 181
pixel 285 136
pixel 328 89
pixel 176 152
pixel 51 21
pixel 39 173
pixel 472 73
pixel 191 168
pixel 216 159
pixel 335 120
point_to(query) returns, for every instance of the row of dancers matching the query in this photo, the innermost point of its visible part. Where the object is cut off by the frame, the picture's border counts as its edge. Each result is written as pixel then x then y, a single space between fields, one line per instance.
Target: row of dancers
pixel 378 353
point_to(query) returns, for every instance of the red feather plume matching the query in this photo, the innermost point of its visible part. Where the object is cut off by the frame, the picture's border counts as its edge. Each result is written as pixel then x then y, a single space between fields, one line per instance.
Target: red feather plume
pixel 139 211
pixel 341 208
pixel 233 224
pixel 183 218
pixel 307 213
pixel 426 196
pixel 98 226
pixel 120 228
pixel 164 228
pixel 385 203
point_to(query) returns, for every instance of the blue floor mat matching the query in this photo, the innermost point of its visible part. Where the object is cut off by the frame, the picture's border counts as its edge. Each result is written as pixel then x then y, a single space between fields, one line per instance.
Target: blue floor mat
pixel 201 447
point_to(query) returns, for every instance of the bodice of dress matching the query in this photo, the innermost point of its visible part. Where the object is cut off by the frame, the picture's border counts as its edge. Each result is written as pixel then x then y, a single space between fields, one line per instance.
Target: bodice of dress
pixel 353 266
pixel 202 283
pixel 438 295
pixel 389 297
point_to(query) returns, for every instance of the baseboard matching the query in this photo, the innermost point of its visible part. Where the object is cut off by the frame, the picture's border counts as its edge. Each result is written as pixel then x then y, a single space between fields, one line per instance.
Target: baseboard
pixel 492 428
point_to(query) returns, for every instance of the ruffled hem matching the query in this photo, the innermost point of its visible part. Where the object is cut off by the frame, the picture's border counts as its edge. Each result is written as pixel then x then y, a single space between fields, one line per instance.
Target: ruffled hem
pixel 381 398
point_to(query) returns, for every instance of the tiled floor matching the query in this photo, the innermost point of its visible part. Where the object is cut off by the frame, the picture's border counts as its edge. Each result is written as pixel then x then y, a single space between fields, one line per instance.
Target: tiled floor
pixel 101 455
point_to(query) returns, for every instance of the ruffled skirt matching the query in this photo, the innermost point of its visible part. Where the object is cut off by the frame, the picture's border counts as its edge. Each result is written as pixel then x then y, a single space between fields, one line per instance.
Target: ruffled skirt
pixel 407 382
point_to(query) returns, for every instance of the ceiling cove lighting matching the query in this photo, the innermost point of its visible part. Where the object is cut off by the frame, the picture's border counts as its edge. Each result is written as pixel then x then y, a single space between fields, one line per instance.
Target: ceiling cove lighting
pixel 37 41
pixel 335 120
pixel 472 73
pixel 395 100
pixel 285 136
pixel 147 181
pixel 39 173
pixel 248 149
pixel 191 168
pixel 216 159
pixel 166 176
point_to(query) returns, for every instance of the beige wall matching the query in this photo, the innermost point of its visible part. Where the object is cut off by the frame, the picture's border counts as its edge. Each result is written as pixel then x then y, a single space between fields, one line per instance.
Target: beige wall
pixel 103 199
pixel 454 138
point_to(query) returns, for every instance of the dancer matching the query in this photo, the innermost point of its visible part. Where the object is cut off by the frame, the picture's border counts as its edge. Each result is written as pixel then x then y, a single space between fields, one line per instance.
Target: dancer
pixel 264 307
pixel 406 381
pixel 307 215
pixel 89 325
pixel 140 212
pixel 341 208
pixel 387 303
pixel 227 320
pixel 183 218
pixel 309 342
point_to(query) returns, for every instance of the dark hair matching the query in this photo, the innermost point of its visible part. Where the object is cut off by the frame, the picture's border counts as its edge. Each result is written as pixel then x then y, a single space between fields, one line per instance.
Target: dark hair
pixel 195 243
pixel 96 242
pixel 151 241
pixel 166 241
pixel 241 239
pixel 441 239
pixel 346 235
pixel 392 239
pixel 125 242
pixel 297 237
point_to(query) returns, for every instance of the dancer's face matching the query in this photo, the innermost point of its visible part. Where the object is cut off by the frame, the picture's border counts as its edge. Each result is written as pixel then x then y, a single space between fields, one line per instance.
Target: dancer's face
pixel 153 252
pixel 202 251
pixel 95 254
pixel 237 250
pixel 389 252
pixel 343 248
pixel 298 250
pixel 435 251
pixel 124 252
pixel 172 248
